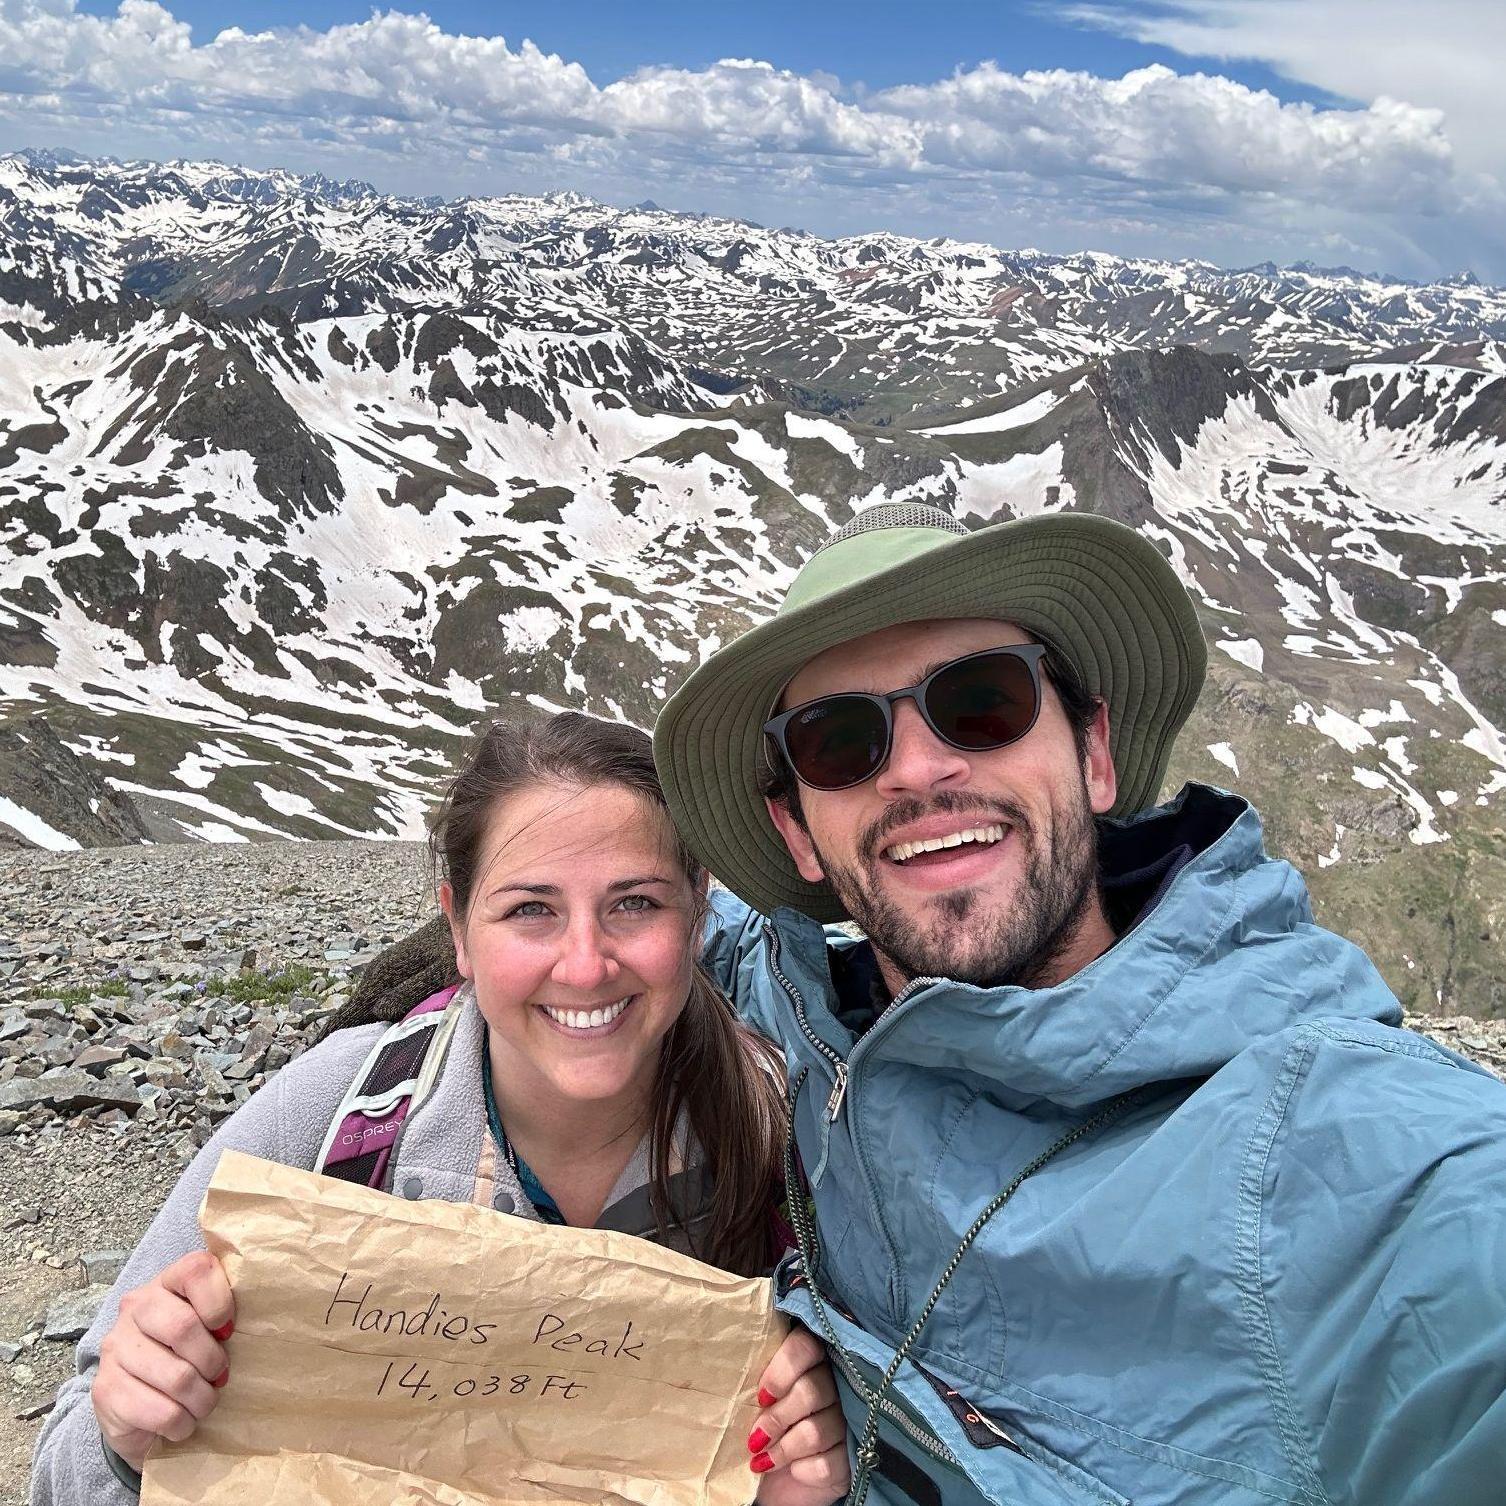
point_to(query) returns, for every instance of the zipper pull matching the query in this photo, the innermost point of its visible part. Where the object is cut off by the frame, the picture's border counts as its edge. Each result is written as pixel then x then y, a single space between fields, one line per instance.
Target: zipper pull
pixel 838 1093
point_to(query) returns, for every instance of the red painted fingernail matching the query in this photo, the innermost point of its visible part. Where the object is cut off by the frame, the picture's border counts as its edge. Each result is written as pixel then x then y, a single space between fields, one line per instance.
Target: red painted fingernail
pixel 221 1381
pixel 758 1441
pixel 761 1464
pixel 224 1333
pixel 766 1397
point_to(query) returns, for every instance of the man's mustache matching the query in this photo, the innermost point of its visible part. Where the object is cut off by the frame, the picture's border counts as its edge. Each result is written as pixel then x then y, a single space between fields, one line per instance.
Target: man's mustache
pixel 904 812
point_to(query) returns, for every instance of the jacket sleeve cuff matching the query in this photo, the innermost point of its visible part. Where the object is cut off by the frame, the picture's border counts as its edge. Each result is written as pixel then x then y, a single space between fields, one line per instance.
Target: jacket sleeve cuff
pixel 120 1469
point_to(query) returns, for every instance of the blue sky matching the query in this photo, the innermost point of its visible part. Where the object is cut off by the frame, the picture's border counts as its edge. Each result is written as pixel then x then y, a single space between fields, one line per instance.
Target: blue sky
pixel 1232 130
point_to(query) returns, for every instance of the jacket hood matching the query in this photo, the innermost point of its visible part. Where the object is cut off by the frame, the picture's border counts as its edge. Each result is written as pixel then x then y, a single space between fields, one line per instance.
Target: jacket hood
pixel 1225 955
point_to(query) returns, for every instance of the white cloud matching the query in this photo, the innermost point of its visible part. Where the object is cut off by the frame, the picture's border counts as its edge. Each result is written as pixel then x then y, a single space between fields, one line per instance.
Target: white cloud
pixel 1155 160
pixel 1159 128
pixel 1446 54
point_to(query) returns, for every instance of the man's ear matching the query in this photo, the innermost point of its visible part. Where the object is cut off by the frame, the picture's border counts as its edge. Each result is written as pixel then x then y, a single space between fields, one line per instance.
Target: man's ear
pixel 457 930
pixel 1098 764
pixel 797 839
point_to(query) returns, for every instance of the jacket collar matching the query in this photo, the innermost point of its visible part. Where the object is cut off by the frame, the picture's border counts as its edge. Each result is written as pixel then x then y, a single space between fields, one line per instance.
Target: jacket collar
pixel 1225 954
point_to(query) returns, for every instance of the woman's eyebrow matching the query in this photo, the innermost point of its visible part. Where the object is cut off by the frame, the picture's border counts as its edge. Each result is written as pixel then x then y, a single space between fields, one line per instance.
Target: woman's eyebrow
pixel 627 883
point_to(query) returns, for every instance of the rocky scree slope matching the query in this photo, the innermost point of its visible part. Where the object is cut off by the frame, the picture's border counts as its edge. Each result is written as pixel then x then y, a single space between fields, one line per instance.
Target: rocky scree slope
pixel 298 482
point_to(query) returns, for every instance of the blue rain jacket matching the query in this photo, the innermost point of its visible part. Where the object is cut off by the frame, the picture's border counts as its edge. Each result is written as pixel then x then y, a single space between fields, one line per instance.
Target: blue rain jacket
pixel 1276 1274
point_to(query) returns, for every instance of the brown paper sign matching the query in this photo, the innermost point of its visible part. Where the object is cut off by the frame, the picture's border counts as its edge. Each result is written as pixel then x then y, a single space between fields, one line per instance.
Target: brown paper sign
pixel 388 1351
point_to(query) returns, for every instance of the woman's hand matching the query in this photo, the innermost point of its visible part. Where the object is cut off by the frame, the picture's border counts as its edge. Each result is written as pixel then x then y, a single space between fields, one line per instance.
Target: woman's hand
pixel 799 1444
pixel 161 1365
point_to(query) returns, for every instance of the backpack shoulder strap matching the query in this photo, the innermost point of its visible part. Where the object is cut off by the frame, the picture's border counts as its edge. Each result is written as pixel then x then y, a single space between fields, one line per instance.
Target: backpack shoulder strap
pixel 397 1075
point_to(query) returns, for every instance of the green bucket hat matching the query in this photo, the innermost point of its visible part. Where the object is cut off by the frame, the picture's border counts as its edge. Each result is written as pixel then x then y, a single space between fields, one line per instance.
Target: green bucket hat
pixel 1098 593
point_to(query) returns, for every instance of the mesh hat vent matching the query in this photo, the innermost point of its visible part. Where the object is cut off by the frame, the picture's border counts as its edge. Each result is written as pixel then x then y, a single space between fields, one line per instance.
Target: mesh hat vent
pixel 895 515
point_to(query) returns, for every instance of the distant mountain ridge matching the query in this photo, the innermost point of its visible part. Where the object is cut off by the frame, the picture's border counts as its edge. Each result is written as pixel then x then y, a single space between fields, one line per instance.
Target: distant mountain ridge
pixel 299 480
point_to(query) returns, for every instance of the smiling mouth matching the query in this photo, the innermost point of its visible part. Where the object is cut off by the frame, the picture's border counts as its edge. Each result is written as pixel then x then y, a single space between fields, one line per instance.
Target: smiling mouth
pixel 921 852
pixel 587 1021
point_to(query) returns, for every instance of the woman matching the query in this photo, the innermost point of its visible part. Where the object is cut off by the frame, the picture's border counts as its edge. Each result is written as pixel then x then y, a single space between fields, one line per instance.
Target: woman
pixel 593 1077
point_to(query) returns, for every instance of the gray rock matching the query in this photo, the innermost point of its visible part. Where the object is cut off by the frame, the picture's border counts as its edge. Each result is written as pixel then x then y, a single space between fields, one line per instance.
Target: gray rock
pixel 165 1074
pixel 9 1350
pixel 101 1267
pixel 257 1042
pixel 67 1092
pixel 70 1315
pixel 214 1084
pixel 96 1059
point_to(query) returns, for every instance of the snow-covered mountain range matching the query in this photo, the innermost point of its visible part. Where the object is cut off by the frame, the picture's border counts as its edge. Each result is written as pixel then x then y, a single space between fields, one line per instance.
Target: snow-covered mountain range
pixel 298 481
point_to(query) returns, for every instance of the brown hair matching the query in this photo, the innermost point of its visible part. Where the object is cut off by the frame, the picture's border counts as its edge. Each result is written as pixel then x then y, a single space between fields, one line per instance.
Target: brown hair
pixel 725 1079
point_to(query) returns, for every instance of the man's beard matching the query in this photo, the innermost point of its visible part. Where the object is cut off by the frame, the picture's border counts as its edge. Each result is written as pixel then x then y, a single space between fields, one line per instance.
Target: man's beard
pixel 956 935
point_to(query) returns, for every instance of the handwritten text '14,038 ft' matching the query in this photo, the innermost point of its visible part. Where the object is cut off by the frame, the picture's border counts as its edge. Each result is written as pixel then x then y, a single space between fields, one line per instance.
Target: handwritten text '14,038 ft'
pixel 415 1384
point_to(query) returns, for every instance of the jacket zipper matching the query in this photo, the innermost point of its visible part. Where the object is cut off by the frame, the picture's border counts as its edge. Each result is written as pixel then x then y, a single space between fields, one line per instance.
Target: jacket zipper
pixel 839 1089
pixel 839 1093
pixel 838 1066
pixel 840 1069
pixel 918 1436
pixel 842 1076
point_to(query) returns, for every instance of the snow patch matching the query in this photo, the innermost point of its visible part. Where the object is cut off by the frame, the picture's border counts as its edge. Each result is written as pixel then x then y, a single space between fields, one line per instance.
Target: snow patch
pixel 1332 856
pixel 1028 412
pixel 1019 487
pixel 31 826
pixel 530 629
pixel 1344 730
pixel 1225 755
pixel 1246 651
pixel 842 440
pixel 211 831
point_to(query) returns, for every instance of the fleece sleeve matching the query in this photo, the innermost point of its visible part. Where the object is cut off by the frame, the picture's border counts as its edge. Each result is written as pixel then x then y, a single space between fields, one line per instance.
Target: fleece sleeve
pixel 1376 1188
pixel 283 1122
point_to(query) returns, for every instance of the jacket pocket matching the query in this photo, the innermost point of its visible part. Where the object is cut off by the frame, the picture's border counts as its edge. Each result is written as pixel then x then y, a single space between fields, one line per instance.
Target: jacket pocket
pixel 934 1449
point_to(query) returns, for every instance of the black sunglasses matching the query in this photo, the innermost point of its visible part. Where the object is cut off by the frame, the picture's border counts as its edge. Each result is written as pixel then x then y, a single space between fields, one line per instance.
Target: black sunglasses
pixel 978 702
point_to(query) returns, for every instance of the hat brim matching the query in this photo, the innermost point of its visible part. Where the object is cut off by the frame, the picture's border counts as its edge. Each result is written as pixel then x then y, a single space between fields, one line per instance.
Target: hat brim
pixel 1092 589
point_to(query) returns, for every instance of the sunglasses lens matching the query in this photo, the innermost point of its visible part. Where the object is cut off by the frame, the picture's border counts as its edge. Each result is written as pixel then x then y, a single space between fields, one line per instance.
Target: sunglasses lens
pixel 837 741
pixel 983 702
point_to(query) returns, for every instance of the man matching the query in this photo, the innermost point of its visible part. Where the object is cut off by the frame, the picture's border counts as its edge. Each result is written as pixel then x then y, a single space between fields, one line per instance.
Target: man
pixel 1123 1183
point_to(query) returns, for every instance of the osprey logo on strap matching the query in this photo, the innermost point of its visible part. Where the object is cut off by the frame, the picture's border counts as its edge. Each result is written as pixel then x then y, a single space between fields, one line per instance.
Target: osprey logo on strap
pixel 393 1081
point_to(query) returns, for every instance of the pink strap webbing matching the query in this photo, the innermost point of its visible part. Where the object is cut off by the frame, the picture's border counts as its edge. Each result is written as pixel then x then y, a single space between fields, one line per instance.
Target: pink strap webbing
pixel 362 1145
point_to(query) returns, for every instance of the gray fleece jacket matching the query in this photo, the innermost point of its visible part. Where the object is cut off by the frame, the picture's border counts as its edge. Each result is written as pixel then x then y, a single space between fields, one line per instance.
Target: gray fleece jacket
pixel 444 1152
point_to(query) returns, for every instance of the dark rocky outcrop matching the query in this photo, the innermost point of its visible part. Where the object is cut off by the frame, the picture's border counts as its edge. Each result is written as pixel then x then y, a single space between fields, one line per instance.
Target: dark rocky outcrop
pixel 40 773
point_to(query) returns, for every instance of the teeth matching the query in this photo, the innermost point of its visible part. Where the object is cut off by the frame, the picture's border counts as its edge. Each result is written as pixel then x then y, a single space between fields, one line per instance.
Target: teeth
pixel 902 851
pixel 583 1019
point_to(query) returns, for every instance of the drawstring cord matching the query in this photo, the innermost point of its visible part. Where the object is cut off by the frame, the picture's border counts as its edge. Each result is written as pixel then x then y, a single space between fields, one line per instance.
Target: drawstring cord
pixel 867 1449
